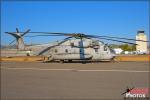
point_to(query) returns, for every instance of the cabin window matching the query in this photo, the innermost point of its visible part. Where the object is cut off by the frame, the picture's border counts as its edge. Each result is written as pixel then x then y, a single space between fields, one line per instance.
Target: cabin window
pixel 105 48
pixel 96 50
pixel 72 44
pixel 80 43
pixel 66 50
pixel 56 50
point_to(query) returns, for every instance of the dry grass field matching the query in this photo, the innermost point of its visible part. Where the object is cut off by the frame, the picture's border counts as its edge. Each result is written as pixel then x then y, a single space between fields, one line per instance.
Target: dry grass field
pixel 40 58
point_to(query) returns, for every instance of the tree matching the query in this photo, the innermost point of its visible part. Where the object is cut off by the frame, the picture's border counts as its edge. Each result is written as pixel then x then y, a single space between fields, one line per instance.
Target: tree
pixel 124 47
pixel 127 47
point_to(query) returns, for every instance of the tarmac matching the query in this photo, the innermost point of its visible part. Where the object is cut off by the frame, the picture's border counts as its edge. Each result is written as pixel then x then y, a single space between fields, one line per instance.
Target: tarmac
pixel 71 81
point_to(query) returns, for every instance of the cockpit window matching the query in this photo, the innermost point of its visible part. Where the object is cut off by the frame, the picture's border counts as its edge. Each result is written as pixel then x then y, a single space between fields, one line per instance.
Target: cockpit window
pixel 95 43
pixel 105 48
pixel 66 50
pixel 112 51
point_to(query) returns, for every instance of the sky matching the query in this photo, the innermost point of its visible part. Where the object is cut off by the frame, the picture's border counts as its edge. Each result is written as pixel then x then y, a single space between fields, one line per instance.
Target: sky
pixel 110 18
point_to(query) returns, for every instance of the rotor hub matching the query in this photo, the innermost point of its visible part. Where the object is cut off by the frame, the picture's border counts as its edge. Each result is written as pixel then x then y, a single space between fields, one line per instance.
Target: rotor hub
pixel 79 35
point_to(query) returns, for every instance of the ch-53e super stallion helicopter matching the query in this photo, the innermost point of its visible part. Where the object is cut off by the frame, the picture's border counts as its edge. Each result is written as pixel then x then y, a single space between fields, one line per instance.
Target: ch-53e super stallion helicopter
pixel 76 46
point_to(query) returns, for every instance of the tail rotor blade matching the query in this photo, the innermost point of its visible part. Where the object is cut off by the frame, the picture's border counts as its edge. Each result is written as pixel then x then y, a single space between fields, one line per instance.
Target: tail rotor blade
pixel 11 42
pixel 25 32
pixel 17 30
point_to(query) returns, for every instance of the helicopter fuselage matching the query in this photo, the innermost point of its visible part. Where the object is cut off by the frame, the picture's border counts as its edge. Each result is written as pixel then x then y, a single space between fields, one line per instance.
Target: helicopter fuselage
pixel 77 49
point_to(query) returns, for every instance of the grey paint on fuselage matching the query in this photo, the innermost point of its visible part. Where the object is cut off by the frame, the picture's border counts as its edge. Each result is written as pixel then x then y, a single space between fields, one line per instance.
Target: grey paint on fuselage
pixel 71 50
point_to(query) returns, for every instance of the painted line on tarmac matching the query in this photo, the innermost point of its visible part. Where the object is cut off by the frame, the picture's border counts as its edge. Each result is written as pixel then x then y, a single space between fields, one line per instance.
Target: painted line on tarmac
pixel 136 71
pixel 46 69
pixel 78 70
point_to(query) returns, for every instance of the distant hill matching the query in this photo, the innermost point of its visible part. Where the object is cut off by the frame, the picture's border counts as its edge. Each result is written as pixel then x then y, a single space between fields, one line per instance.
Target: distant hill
pixel 8 47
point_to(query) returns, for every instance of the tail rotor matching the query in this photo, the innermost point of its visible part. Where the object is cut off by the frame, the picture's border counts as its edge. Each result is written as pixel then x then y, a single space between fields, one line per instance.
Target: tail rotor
pixel 18 38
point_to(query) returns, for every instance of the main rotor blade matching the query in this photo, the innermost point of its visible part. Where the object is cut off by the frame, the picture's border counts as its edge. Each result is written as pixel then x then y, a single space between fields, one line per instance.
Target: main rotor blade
pixel 64 40
pixel 116 38
pixel 42 35
pixel 118 41
pixel 65 34
pixel 68 34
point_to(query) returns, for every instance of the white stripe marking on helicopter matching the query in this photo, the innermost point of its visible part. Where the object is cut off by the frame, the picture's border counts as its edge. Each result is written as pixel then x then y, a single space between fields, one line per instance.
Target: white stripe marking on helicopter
pixel 81 70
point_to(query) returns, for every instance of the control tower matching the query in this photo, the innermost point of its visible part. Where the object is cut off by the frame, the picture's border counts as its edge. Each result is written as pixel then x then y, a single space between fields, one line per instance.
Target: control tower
pixel 142 46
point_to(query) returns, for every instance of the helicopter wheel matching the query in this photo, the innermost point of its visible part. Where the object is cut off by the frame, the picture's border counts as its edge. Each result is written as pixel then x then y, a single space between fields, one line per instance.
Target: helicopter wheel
pixel 45 59
pixel 48 59
pixel 114 60
pixel 61 61
pixel 69 60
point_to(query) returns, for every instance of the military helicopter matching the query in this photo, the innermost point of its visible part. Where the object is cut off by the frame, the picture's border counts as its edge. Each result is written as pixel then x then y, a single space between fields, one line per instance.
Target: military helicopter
pixel 76 46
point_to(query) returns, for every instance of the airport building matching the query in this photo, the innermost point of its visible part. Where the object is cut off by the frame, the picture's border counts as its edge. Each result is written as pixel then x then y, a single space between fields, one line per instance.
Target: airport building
pixel 142 46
